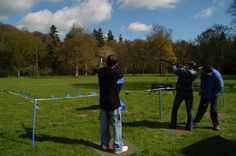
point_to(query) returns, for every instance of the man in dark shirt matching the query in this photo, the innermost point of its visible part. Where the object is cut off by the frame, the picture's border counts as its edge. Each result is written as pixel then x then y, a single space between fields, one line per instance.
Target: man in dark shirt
pixel 186 76
pixel 110 104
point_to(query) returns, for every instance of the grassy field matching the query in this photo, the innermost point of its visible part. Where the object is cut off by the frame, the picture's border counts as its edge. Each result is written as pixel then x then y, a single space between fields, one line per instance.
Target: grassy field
pixel 69 127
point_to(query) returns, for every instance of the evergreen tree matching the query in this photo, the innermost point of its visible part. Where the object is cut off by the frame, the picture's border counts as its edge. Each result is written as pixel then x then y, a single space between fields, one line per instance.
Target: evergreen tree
pixel 94 33
pixel 110 36
pixel 232 12
pixel 53 41
pixel 54 36
pixel 98 34
pixel 120 39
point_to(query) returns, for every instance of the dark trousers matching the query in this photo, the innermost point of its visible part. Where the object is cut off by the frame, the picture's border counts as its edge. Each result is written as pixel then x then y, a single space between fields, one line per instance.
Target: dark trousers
pixel 204 102
pixel 179 98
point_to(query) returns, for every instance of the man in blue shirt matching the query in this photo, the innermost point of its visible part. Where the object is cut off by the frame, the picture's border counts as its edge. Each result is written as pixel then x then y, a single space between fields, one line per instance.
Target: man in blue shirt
pixel 211 85
pixel 186 75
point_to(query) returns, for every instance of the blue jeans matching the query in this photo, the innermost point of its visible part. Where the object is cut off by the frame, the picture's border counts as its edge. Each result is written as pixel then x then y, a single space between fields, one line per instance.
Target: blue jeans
pixel 113 116
pixel 179 98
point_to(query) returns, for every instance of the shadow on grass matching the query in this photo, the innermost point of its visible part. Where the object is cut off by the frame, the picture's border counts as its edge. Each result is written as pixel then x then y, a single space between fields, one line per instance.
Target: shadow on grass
pixel 2 134
pixel 92 107
pixel 134 86
pixel 161 125
pixel 215 145
pixel 56 139
pixel 149 124
pixel 127 86
pixel 204 127
pixel 86 85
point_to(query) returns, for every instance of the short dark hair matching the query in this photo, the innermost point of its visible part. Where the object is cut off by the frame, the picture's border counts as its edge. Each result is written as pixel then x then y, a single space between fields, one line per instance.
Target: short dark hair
pixel 112 60
pixel 207 68
pixel 192 64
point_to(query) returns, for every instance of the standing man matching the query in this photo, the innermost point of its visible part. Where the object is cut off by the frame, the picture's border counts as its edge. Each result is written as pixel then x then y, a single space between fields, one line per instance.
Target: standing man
pixel 211 85
pixel 110 110
pixel 186 75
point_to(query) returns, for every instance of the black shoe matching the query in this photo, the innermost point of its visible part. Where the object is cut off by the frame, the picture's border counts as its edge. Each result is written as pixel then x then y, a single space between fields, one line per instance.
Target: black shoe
pixel 188 128
pixel 172 126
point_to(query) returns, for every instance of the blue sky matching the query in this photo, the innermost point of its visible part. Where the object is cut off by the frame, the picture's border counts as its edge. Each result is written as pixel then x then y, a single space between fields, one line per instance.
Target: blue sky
pixel 132 19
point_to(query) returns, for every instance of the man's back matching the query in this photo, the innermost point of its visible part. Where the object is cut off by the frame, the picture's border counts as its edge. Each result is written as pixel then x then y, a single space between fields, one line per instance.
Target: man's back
pixel 109 96
pixel 212 83
pixel 185 78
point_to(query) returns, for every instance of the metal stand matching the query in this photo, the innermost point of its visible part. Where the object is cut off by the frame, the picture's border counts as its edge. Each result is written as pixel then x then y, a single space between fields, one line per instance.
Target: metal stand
pixel 160 104
pixel 33 125
pixel 223 98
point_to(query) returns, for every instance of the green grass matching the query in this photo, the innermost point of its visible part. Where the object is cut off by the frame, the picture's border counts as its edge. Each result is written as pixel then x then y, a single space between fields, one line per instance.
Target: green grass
pixel 69 127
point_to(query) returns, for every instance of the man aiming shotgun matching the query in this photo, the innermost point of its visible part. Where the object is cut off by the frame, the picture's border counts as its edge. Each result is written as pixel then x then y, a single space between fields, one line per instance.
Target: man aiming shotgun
pixel 186 76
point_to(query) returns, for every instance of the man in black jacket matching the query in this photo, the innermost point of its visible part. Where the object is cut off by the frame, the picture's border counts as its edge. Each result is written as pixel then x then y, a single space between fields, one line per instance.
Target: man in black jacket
pixel 110 104
pixel 186 76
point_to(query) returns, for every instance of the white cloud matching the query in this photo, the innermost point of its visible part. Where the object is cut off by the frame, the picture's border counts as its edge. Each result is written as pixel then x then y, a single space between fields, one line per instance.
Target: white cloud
pixel 149 4
pixel 95 11
pixel 139 27
pixel 9 7
pixel 53 1
pixel 88 11
pixel 205 13
pixel 219 3
pixel 12 7
pixel 39 21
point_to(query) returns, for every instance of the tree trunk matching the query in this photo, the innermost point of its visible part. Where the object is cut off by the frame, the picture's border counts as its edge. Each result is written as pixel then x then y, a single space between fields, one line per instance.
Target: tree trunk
pixel 76 66
pixel 143 68
pixel 157 69
pixel 18 73
pixel 133 66
pixel 86 69
pixel 76 70
pixel 126 66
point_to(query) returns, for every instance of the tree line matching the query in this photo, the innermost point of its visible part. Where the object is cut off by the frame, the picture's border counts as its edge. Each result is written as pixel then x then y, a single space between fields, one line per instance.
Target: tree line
pixel 24 53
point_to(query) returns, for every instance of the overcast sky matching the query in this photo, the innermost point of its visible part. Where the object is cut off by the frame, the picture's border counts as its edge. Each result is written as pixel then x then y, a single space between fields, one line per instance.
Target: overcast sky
pixel 131 18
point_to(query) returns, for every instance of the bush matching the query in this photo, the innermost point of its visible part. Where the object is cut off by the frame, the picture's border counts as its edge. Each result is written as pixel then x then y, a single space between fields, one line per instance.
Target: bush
pixel 3 73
